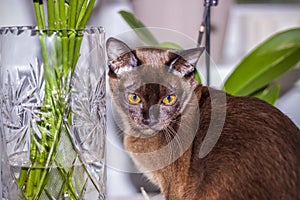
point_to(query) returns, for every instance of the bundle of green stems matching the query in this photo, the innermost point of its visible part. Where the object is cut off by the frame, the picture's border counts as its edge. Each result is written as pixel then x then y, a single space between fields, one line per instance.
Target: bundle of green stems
pixel 63 20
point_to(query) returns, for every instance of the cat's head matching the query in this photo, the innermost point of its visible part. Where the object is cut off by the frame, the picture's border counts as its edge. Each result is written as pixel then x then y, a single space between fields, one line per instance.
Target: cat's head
pixel 150 86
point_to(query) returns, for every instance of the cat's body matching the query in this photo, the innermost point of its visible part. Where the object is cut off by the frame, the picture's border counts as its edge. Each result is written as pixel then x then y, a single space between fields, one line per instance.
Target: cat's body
pixel 256 154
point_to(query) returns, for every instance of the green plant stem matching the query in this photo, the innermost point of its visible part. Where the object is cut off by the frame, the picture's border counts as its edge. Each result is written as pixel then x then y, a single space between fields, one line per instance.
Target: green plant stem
pixel 39 15
pixel 57 71
pixel 58 20
pixel 51 14
pixel 72 39
pixel 81 12
pixel 62 15
pixel 81 7
pixel 50 155
pixel 88 12
pixel 72 15
pixel 76 52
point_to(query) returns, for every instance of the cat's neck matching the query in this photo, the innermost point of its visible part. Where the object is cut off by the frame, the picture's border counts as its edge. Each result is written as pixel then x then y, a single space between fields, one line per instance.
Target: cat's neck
pixel 159 161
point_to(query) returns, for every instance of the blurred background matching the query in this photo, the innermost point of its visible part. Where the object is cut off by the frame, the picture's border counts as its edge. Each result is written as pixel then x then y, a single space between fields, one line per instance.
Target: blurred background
pixel 237 27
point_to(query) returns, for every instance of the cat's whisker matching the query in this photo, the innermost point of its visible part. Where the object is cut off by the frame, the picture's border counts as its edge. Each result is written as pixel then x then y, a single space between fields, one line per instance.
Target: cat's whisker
pixel 177 138
pixel 174 144
pixel 170 145
pixel 185 125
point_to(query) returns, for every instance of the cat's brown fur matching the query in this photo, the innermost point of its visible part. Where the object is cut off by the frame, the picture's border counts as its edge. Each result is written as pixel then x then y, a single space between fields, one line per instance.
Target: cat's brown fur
pixel 257 155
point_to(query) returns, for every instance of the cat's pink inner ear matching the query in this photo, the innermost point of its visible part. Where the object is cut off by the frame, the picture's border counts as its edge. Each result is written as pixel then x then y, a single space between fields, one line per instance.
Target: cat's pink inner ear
pixel 186 61
pixel 116 48
pixel 192 55
pixel 120 56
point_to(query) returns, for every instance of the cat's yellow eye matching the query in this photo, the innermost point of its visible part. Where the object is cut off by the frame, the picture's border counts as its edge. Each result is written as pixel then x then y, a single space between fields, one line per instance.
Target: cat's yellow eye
pixel 169 100
pixel 133 98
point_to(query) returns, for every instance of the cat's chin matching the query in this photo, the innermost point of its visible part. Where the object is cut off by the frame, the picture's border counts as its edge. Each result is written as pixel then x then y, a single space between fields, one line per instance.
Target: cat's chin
pixel 146 131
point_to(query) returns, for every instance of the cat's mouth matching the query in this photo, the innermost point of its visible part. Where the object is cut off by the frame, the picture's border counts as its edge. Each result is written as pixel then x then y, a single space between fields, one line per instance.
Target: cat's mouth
pixel 146 130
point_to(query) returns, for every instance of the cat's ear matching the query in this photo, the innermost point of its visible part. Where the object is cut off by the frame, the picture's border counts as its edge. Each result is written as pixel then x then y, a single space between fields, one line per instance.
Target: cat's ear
pixel 186 61
pixel 115 48
pixel 120 56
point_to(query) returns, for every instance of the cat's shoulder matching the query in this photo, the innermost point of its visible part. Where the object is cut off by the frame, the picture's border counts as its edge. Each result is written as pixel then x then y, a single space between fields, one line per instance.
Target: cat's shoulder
pixel 244 109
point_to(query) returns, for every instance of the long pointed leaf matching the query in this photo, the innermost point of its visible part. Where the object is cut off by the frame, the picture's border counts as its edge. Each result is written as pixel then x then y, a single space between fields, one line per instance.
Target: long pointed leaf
pixel 169 45
pixel 267 62
pixel 269 94
pixel 143 33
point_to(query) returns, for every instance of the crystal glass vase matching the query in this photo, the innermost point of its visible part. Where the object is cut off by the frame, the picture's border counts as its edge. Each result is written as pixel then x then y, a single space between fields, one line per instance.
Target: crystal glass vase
pixel 52 113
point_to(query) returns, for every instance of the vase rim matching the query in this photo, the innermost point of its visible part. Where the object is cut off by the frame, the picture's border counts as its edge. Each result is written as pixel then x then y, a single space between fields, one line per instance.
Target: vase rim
pixel 34 29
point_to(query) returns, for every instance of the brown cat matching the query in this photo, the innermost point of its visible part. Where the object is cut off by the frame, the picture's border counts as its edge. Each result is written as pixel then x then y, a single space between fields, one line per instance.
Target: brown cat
pixel 195 142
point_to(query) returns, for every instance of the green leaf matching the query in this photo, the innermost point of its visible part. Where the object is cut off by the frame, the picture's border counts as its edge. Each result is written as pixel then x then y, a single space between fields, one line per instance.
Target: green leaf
pixel 197 76
pixel 268 61
pixel 142 32
pixel 169 45
pixel 270 94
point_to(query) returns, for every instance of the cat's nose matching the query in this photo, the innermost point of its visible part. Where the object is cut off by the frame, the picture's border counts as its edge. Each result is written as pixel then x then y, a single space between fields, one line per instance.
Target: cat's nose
pixel 150 122
pixel 153 116
pixel 154 112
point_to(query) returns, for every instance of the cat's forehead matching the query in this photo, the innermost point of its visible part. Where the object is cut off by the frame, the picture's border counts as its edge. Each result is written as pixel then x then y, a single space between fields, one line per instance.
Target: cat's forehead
pixel 154 89
pixel 153 56
pixel 147 73
pixel 153 80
